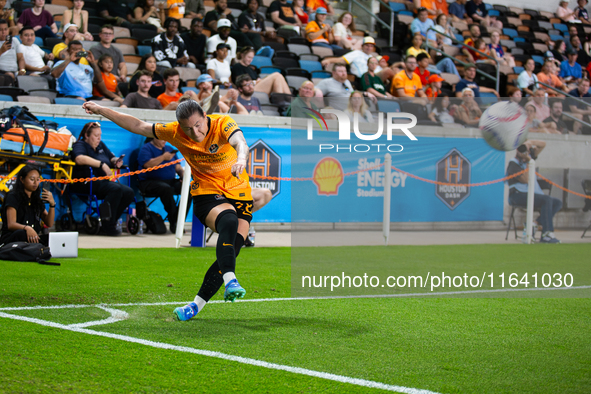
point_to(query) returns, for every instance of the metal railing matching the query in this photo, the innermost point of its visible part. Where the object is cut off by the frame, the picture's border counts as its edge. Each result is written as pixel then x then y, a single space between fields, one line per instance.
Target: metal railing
pixel 571 97
pixel 497 79
pixel 374 16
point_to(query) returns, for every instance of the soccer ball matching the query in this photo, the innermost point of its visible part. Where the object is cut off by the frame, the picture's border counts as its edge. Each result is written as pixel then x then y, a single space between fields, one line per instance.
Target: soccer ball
pixel 504 125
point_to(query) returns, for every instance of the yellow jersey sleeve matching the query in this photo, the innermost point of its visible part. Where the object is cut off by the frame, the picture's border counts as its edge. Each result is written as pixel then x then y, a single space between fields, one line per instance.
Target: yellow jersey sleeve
pixel 165 131
pixel 228 127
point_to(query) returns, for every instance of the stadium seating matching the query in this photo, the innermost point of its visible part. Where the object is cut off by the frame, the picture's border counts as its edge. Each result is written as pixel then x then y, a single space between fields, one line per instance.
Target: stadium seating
pixel 68 101
pixel 29 82
pixel 310 65
pixel 5 97
pixel 34 99
pixel 388 105
pixel 261 61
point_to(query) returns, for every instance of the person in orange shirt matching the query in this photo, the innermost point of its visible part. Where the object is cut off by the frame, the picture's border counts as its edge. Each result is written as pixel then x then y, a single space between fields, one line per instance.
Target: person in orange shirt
pixel 169 99
pixel 216 151
pixel 313 5
pixel 406 83
pixel 110 88
pixel 176 9
pixel 434 89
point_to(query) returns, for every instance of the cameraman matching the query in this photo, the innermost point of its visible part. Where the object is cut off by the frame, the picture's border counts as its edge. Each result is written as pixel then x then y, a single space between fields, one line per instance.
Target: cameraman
pixel 518 189
pixel 75 79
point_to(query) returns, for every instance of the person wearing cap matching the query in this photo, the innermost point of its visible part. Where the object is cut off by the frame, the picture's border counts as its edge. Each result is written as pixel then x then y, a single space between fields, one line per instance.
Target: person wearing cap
pixel 468 82
pixel 104 46
pixel 142 98
pixel 223 37
pixel 468 112
pixel 571 71
pixel 320 33
pixel 406 83
pixel 372 83
pixel 476 9
pixel 219 67
pixel 221 11
pixel 581 12
pixel 314 5
pixel 421 25
pixel 60 51
pixel 548 76
pixel 564 12
pixel 78 16
pixel 168 47
pixel 283 14
pixel 209 97
pixel 434 89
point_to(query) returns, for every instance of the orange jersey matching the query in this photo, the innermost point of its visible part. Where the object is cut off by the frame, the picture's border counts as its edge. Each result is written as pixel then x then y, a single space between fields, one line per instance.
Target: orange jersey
pixel 110 84
pixel 165 99
pixel 211 160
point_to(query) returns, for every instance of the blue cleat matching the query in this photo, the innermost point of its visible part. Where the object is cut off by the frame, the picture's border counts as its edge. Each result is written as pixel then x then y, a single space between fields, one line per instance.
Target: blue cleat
pixel 186 312
pixel 234 291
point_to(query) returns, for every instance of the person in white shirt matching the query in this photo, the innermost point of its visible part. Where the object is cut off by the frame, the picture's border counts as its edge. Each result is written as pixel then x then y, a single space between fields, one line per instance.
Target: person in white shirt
pixel 34 57
pixel 223 36
pixel 219 67
pixel 343 32
pixel 8 61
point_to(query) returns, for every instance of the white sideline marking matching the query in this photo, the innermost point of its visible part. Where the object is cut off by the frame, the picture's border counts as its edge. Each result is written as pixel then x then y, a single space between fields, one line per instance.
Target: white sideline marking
pixel 24 308
pixel 223 356
pixel 116 315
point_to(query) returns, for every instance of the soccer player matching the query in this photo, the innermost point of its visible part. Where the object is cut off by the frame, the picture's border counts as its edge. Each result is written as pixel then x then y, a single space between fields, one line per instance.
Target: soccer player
pixel 216 150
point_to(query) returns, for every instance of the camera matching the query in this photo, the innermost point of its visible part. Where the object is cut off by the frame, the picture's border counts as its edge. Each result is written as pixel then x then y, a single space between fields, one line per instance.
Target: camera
pixel 81 54
pixel 532 153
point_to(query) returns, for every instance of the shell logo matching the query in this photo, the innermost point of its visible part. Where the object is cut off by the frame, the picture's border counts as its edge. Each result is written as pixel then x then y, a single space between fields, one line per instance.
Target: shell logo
pixel 328 176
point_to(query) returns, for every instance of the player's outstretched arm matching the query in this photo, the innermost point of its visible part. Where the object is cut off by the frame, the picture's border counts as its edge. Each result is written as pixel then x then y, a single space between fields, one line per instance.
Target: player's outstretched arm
pixel 239 143
pixel 128 122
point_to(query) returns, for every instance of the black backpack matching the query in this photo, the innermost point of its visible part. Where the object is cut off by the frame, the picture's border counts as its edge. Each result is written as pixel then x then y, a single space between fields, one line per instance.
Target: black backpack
pixel 24 251
pixel 155 223
pixel 17 116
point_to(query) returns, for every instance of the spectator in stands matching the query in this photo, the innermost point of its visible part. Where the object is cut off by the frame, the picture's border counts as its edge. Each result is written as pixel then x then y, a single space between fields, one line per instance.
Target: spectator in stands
pixel 497 51
pixel 338 87
pixel 565 13
pixel 73 78
pixel 571 71
pixel 119 13
pixel 272 83
pixel 90 152
pixel 8 14
pixel 245 86
pixel 468 82
pixel 219 67
pixel 357 60
pixel 357 106
pixel 223 37
pixel 221 11
pixel 298 8
pixel 421 70
pixel 468 112
pixel 110 88
pixel 548 76
pixel 145 12
pixel 518 186
pixel 142 98
pixel 421 25
pixel 406 83
pixel 476 9
pixel 485 57
pixel 176 9
pixel 104 46
pixel 169 99
pixel 168 47
pixel 434 90
pixel 282 14
pixel 251 21
pixel 320 33
pixel 313 6
pixel 60 51
pixel 79 17
pixel 372 83
pixel 581 12
pixel 195 42
pixel 297 108
pixel 445 65
pixel 442 110
pixel 577 108
pixel 343 32
pixel 194 9
pixel 556 116
pixel 161 182
pixel 31 56
pixel 470 41
pixel 537 101
pixel 8 59
pixel 535 124
pixel 209 98
pixel 457 11
pixel 443 27
pixel 148 63
pixel 40 19
pixel 527 80
pixel 559 51
pixel 514 94
pixel 583 57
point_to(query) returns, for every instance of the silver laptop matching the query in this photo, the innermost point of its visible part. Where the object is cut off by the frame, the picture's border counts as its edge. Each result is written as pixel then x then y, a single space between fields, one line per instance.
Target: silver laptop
pixel 63 244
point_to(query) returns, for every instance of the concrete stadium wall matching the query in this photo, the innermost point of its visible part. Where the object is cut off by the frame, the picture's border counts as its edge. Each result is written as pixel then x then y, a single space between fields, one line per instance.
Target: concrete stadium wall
pixel 566 161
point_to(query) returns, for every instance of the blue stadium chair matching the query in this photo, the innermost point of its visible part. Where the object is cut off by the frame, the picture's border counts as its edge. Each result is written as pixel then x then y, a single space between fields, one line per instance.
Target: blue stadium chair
pixel 510 32
pixel 519 39
pixel 144 49
pixel 311 65
pixel 68 101
pixel 397 7
pixel 494 13
pixel 555 37
pixel 266 70
pixel 39 41
pixel 487 98
pixel 185 89
pixel 538 59
pixel 405 12
pixel 488 7
pixel 459 37
pixel 46 50
pixel 5 97
pixel 388 106
pixel 261 61
pixel 321 74
pixel 518 69
pixel 562 27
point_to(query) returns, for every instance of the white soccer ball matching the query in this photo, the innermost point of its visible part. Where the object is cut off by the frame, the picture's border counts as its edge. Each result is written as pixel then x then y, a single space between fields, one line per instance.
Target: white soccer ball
pixel 504 125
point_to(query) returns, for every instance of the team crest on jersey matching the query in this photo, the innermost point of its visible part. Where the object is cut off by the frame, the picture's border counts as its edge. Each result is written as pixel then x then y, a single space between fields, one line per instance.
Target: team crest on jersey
pixel 219 197
pixel 195 185
pixel 213 148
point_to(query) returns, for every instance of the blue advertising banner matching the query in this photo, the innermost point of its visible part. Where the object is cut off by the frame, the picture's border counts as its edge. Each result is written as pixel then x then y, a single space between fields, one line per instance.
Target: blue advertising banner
pixel 333 197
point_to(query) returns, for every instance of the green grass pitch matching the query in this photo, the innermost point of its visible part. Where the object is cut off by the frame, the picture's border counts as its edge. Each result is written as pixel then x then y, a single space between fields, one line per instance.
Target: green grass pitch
pixel 441 345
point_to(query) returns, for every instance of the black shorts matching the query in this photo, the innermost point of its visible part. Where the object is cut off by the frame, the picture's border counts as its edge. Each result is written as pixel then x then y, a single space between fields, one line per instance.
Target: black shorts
pixel 203 204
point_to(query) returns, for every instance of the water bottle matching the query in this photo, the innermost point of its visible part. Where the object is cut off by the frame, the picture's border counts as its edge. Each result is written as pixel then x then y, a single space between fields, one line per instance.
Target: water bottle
pixel 141 230
pixel 251 236
pixel 119 225
pixel 524 237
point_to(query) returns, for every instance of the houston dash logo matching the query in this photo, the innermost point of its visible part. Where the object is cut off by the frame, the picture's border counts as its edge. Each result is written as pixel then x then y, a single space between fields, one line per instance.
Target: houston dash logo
pixel 344 128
